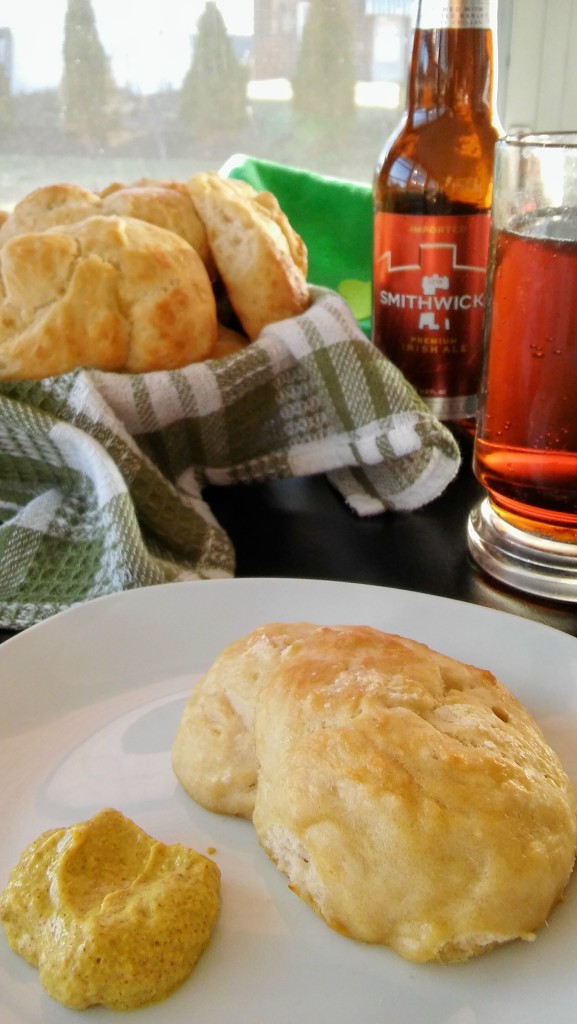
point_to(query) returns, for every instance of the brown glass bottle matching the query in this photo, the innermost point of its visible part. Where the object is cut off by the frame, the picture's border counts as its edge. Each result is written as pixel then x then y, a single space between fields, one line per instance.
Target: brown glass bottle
pixel 432 199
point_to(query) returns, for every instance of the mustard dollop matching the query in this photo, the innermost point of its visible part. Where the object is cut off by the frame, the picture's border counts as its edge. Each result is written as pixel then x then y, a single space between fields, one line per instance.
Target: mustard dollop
pixel 109 915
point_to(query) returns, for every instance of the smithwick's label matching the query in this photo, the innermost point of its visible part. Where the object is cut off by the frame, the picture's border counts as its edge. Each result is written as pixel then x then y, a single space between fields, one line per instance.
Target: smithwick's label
pixel 429 304
pixel 457 14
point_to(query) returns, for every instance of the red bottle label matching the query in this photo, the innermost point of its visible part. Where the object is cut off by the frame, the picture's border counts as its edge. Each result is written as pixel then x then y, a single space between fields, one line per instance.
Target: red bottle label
pixel 429 303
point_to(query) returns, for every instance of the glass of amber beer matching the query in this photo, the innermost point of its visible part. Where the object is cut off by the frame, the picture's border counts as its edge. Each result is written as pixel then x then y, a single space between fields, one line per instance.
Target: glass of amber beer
pixel 524 532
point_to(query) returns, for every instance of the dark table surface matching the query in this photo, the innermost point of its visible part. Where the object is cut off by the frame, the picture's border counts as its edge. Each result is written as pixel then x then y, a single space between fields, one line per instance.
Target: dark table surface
pixel 301 528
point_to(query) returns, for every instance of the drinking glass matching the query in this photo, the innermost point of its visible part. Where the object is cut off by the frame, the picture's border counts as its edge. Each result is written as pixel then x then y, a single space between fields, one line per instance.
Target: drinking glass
pixel 524 532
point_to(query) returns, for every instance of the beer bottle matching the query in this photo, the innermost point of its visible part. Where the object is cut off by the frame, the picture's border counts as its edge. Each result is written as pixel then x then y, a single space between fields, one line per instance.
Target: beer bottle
pixel 432 198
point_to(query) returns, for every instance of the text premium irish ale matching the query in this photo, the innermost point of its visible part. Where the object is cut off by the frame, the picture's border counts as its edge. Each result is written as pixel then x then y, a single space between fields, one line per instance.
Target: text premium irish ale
pixel 432 199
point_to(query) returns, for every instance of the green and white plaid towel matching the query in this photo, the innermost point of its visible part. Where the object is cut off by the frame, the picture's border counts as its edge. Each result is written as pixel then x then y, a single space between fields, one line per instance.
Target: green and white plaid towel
pixel 101 474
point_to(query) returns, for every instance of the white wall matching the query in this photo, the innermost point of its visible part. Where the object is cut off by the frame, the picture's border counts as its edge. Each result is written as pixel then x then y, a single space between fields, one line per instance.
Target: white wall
pixel 539 62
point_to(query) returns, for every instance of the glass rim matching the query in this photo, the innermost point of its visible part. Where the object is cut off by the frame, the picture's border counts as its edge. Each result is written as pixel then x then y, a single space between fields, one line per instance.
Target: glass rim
pixel 543 140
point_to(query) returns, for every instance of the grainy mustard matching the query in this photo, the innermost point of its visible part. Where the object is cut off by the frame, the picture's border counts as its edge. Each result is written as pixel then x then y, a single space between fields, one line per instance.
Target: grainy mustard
pixel 109 915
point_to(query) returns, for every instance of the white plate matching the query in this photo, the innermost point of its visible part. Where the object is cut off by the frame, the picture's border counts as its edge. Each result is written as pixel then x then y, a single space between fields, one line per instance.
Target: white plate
pixel 89 703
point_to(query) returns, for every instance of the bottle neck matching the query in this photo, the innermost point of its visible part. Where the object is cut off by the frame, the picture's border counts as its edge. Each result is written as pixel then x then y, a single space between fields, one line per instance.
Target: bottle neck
pixel 453 60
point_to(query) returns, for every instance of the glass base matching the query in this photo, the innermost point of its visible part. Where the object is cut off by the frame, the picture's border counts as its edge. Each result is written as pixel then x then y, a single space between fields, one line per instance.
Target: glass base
pixel 521 560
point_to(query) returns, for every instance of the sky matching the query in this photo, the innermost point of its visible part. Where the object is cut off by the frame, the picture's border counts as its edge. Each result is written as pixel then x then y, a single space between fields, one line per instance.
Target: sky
pixel 147 41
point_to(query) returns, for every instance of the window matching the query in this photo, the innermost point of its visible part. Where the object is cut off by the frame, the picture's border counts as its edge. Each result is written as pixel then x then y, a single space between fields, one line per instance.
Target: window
pixel 108 105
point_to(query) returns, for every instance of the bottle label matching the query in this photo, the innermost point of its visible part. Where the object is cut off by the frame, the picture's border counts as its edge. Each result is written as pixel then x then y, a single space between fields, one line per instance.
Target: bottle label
pixel 457 14
pixel 429 304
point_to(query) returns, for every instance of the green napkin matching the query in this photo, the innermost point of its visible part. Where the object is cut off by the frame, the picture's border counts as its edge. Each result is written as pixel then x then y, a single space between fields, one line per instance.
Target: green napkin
pixel 335 219
pixel 102 474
